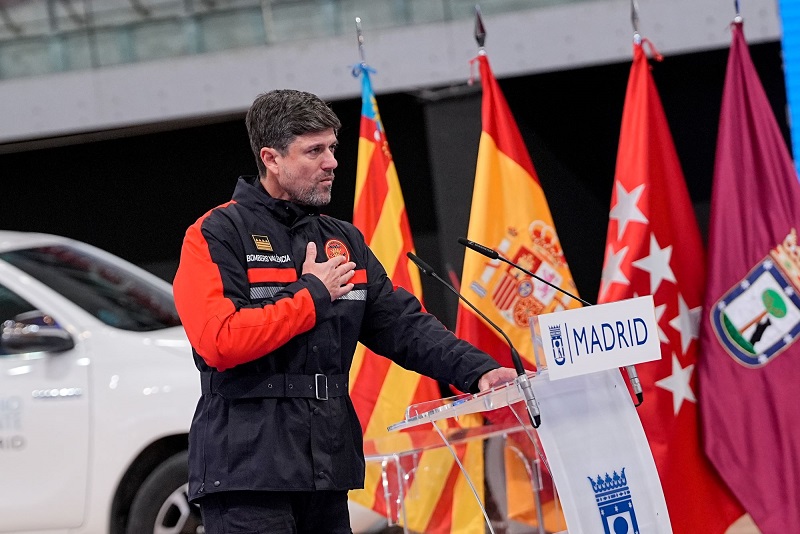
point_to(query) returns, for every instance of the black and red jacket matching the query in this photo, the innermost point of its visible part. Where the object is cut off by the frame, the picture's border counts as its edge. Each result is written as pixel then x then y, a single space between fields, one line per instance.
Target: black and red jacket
pixel 267 341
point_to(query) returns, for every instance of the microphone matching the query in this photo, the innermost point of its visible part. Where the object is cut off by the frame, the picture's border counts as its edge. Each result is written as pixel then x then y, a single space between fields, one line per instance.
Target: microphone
pixel 522 376
pixel 633 376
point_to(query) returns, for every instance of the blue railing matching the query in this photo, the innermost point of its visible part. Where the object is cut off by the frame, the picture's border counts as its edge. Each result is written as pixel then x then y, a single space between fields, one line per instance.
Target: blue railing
pixel 47 36
pixel 790 16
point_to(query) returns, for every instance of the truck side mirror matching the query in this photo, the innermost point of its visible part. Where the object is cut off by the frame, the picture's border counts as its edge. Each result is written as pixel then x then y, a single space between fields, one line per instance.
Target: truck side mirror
pixel 34 332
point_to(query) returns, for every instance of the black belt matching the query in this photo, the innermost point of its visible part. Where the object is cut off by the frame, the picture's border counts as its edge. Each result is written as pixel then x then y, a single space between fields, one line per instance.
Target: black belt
pixel 256 386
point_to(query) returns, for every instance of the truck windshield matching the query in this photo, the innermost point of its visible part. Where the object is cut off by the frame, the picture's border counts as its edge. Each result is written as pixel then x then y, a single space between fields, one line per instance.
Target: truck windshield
pixel 116 296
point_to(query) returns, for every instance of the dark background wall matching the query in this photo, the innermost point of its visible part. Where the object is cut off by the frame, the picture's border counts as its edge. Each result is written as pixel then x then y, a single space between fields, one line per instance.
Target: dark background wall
pixel 135 192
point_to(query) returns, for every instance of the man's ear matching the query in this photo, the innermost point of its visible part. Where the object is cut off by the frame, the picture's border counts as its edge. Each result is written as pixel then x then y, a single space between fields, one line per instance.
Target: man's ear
pixel 268 158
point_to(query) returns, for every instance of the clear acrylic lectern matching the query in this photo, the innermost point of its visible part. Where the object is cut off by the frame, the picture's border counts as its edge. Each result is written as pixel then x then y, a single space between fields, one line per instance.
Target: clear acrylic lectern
pixel 590 440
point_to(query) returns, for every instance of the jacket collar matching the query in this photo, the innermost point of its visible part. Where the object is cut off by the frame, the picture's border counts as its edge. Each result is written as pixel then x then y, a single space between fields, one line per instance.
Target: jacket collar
pixel 251 194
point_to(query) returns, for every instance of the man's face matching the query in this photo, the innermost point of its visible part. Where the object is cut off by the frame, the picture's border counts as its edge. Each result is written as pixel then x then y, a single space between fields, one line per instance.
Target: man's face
pixel 305 174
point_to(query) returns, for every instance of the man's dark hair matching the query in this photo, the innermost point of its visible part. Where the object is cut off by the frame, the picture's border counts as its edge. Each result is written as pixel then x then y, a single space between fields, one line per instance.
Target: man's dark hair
pixel 276 118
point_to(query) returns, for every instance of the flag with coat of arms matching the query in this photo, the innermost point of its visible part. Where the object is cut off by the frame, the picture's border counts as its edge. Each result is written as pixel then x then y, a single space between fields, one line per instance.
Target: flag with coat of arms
pixel 750 338
pixel 506 183
pixel 654 247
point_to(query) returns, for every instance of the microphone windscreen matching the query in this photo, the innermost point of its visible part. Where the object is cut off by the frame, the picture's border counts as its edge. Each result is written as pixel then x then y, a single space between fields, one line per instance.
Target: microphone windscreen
pixel 424 267
pixel 480 249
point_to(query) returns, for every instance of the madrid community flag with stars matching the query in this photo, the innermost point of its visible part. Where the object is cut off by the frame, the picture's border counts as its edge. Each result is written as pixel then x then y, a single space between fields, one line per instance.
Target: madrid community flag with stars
pixel 750 337
pixel 437 497
pixel 653 247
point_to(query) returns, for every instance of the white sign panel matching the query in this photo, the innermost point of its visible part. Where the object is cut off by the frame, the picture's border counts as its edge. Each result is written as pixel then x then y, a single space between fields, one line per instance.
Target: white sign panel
pixel 599 457
pixel 600 337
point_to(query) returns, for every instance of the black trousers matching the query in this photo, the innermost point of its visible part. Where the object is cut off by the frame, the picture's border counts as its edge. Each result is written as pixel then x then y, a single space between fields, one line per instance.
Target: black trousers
pixel 271 512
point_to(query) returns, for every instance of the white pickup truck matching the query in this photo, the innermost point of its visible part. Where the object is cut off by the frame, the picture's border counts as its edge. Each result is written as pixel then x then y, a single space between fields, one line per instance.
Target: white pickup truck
pixel 97 391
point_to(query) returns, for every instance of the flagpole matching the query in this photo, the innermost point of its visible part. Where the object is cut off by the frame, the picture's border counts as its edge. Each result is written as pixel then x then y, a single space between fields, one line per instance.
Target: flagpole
pixel 633 376
pixel 637 38
pixel 522 380
pixel 360 37
pixel 738 18
pixel 450 496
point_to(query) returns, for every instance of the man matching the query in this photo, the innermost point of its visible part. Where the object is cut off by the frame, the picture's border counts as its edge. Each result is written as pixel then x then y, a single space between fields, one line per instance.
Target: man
pixel 273 298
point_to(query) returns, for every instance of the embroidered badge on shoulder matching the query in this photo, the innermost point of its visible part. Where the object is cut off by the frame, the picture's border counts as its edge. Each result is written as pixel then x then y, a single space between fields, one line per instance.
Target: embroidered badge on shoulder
pixel 334 247
pixel 262 242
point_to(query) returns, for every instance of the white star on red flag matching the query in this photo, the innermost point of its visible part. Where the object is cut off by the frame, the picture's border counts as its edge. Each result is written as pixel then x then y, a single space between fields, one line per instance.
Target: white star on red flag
pixel 687 322
pixel 657 264
pixel 679 384
pixel 612 269
pixel 626 209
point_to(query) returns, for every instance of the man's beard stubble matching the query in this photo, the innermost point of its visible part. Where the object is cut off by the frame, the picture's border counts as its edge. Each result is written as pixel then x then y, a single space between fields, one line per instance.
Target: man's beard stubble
pixel 312 195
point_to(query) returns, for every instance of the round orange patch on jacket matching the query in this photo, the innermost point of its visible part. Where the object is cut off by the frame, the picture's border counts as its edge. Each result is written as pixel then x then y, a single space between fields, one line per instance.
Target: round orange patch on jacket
pixel 334 247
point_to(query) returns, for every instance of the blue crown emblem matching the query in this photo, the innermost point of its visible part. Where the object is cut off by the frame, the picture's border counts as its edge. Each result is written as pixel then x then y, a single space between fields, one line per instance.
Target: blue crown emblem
pixel 602 485
pixel 614 502
pixel 557 344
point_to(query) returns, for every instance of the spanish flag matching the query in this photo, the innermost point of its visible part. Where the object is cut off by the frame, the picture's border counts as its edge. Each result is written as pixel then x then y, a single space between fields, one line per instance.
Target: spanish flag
pixel 510 214
pixel 437 498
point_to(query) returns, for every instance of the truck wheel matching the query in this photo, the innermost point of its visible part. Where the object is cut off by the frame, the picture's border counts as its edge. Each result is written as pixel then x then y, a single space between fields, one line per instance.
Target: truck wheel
pixel 161 505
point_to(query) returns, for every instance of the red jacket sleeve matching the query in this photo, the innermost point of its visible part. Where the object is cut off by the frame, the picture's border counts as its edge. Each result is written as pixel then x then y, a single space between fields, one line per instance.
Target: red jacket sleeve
pixel 223 329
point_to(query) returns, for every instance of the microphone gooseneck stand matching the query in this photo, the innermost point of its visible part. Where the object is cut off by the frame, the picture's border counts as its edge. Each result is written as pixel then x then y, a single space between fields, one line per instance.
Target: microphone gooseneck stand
pixel 522 377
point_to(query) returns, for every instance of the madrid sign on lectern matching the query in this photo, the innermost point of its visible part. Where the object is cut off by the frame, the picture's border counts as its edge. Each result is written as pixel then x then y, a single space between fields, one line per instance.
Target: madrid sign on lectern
pixel 592 439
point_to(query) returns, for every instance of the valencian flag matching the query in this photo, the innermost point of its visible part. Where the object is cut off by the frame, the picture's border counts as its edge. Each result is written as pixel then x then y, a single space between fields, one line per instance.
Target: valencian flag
pixel 438 499
pixel 510 214
pixel 653 247
pixel 750 366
